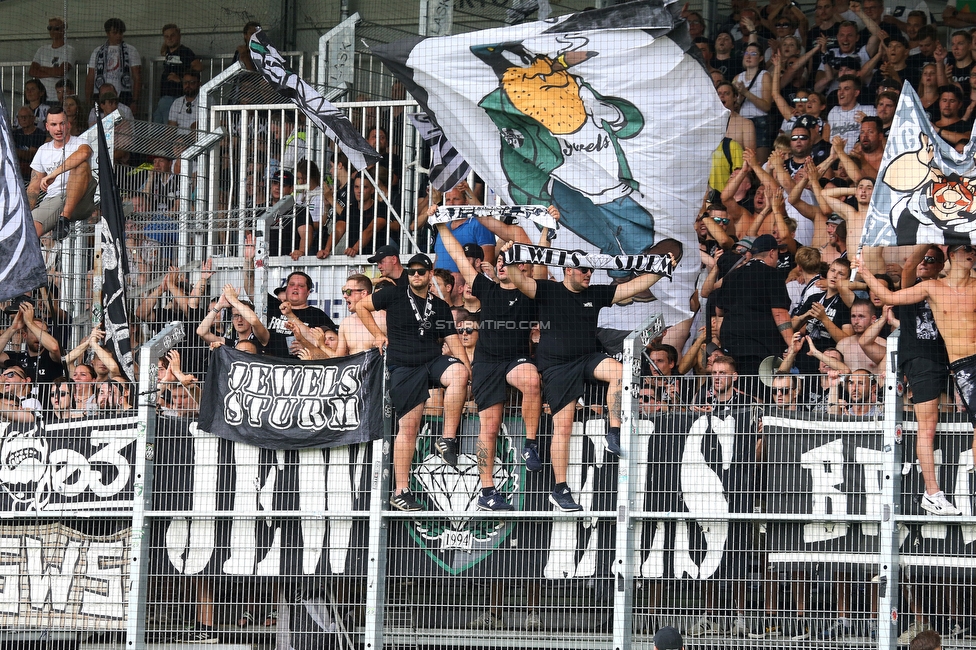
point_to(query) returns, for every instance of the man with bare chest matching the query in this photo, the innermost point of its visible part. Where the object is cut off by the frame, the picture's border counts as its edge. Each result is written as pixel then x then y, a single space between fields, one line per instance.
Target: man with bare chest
pixel 353 335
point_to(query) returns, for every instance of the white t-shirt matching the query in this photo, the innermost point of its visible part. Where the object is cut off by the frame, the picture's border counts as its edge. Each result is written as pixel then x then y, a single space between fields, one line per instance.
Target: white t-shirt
pixel 113 63
pixel 48 158
pixel 178 112
pixel 861 54
pixel 902 8
pixel 842 123
pixel 749 109
pixel 49 57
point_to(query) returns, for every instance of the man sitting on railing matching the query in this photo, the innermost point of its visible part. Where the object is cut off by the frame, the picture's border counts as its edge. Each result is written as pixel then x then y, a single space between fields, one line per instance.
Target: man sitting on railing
pixel 61 168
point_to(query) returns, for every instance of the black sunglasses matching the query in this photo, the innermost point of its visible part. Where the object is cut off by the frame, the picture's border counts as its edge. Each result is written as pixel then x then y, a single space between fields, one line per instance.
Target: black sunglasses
pixel 928 259
pixel 799 137
pixel 415 271
pixel 781 391
pixel 466 330
pixel 584 270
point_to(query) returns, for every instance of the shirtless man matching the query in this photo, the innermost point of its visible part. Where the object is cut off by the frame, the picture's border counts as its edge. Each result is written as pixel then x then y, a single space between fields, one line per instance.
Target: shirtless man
pixel 862 316
pixel 953 304
pixel 353 335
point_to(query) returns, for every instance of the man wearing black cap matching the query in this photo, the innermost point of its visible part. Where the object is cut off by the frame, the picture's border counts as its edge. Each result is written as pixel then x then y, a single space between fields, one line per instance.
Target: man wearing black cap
pixel 756 308
pixel 501 359
pixel 387 260
pixel 668 638
pixel 291 232
pixel 293 306
pixel 417 322
pixel 570 355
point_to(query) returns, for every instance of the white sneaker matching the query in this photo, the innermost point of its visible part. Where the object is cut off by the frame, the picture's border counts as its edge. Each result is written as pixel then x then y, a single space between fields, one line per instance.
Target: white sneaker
pixel 739 627
pixel 486 621
pixel 937 504
pixel 532 621
pixel 913 631
pixel 704 626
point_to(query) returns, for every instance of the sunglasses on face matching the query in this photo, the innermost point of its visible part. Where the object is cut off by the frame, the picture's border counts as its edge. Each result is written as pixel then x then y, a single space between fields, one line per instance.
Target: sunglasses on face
pixel 10 374
pixel 585 270
pixel 721 220
pixel 62 393
pixel 801 100
pixel 794 138
pixel 348 292
pixel 415 271
pixel 466 330
pixel 928 259
pixel 783 25
pixel 781 391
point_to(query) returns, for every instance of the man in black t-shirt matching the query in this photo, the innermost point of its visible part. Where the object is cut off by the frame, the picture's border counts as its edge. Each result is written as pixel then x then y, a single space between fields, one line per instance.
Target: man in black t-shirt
pixel 501 359
pixel 570 355
pixel 756 305
pixel 387 260
pixel 294 307
pixel 41 361
pixel 416 323
pixel 292 232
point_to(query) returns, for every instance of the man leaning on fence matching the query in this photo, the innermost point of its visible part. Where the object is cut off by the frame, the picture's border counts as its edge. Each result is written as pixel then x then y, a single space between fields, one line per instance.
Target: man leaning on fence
pixel 61 168
pixel 416 322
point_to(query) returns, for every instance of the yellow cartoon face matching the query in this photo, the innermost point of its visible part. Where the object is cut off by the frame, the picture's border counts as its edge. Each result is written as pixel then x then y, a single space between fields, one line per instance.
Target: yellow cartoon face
pixel 549 96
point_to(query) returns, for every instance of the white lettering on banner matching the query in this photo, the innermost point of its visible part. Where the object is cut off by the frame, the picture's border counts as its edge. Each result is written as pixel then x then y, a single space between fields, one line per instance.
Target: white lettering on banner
pixel 73 474
pixel 9 570
pixel 309 397
pixel 105 562
pixel 872 464
pixel 704 493
pixel 826 467
pixel 51 582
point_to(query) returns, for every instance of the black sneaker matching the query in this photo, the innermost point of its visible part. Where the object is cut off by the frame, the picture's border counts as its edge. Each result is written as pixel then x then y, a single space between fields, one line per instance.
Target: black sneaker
pixel 613 443
pixel 405 502
pixel 448 449
pixel 530 454
pixel 494 501
pixel 563 500
pixel 61 228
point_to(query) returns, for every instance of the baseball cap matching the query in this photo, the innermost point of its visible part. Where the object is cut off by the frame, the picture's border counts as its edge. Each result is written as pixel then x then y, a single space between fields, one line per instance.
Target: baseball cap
pixel 764 244
pixel 422 260
pixel 712 348
pixel 284 177
pixel 836 219
pixel 668 638
pixel 383 252
pixel 745 243
pixel 807 122
pixel 473 250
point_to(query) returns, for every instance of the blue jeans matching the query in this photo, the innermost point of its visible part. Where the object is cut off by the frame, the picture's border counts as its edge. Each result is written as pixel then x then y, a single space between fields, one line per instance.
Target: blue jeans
pixel 161 114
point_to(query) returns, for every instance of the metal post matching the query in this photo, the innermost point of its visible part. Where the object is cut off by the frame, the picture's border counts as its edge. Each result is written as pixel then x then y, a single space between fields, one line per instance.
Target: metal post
pixel 378 528
pixel 135 624
pixel 623 564
pixel 889 588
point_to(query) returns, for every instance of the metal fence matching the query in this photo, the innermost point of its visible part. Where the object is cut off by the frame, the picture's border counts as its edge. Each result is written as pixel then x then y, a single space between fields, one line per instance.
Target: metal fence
pixel 758 521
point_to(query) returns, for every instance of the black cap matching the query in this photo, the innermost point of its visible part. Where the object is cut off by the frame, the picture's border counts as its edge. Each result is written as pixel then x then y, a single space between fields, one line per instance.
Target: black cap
pixel 422 260
pixel 668 638
pixel 712 348
pixel 807 122
pixel 383 252
pixel 473 250
pixel 764 244
pixel 284 177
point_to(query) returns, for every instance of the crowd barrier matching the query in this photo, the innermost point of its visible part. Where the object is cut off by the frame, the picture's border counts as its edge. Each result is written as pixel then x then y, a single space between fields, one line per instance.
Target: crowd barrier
pixel 133 524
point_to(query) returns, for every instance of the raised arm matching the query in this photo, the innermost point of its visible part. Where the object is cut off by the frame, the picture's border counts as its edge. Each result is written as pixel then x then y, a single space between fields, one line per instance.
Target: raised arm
pixel 869 339
pixel 455 250
pixel 205 328
pixel 909 272
pixel 523 283
pixel 260 331
pixel 906 296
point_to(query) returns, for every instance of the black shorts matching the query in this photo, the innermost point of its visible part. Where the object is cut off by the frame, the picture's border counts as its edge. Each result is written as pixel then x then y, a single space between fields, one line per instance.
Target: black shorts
pixel 563 383
pixel 489 383
pixel 410 385
pixel 928 379
pixel 964 372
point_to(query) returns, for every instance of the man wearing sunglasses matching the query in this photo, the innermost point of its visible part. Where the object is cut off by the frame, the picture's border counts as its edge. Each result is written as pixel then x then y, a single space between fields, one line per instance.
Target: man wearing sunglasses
pixel 16 403
pixel 569 353
pixel 417 322
pixel 54 61
pixel 353 335
pixel 953 307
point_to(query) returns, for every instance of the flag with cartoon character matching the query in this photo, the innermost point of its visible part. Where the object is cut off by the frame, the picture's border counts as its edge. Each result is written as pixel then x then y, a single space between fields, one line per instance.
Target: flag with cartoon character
pixel 604 114
pixel 926 190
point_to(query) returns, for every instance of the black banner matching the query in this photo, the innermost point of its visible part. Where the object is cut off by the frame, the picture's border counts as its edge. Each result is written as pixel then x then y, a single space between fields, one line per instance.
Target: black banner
pixel 84 465
pixel 288 512
pixel 288 405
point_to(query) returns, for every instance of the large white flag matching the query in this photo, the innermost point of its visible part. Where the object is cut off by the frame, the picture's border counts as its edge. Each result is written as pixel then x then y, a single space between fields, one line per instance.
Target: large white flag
pixel 607 114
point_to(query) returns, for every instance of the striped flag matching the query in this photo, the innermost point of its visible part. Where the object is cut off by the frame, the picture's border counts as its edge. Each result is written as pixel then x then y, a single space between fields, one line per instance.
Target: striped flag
pixel 115 262
pixel 317 108
pixel 21 264
pixel 447 167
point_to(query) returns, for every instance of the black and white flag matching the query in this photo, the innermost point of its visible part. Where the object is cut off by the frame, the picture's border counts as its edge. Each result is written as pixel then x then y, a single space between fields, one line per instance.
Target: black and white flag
pixel 317 108
pixel 447 167
pixel 282 404
pixel 21 264
pixel 115 262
